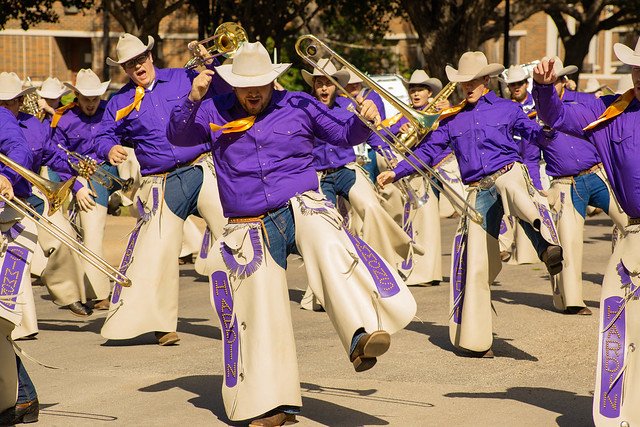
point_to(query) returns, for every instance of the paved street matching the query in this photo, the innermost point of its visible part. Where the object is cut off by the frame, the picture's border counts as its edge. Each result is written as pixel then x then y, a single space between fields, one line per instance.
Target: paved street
pixel 542 375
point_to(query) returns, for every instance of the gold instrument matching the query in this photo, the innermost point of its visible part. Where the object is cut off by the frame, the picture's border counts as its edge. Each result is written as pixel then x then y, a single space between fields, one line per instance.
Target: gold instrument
pixel 309 48
pixel 56 194
pixel 227 38
pixel 88 168
pixel 30 103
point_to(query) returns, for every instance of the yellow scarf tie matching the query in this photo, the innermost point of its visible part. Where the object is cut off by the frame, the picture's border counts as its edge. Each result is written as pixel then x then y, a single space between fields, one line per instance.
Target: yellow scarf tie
pixel 59 112
pixel 137 101
pixel 390 121
pixel 448 112
pixel 239 125
pixel 615 109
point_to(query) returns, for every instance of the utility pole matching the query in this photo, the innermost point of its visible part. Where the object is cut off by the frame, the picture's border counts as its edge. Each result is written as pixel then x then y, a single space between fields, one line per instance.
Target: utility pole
pixel 106 42
pixel 505 55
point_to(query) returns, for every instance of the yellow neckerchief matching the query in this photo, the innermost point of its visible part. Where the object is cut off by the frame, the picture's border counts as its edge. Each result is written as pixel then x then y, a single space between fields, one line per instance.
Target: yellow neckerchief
pixel 390 121
pixel 239 125
pixel 59 112
pixel 448 112
pixel 137 100
pixel 616 108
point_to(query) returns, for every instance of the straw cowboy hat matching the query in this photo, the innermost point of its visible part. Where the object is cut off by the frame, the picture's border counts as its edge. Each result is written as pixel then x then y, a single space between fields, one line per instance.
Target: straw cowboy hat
pixel 128 47
pixel 11 86
pixel 52 89
pixel 593 85
pixel 353 79
pixel 626 55
pixel 515 74
pixel 88 83
pixel 471 66
pixel 342 76
pixel 420 77
pixel 251 67
pixel 624 84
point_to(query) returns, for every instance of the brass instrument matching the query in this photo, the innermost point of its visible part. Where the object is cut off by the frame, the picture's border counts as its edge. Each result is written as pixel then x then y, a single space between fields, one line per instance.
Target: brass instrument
pixel 309 47
pixel 88 168
pixel 30 103
pixel 227 38
pixel 56 194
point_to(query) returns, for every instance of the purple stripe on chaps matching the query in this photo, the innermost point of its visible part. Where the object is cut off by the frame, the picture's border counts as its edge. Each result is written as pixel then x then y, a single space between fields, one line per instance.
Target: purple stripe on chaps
pixel 547 221
pixel 444 174
pixel 613 354
pixel 382 277
pixel 126 260
pixel 459 275
pixel 13 267
pixel 503 226
pixel 206 241
pixel 14 231
pixel 243 271
pixel 223 301
pixel 408 228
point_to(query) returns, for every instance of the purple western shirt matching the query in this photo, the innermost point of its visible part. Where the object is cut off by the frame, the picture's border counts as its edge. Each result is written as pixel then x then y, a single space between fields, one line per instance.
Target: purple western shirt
pixel 481 136
pixel 260 169
pixel 395 129
pixel 530 152
pixel 146 130
pixel 76 131
pixel 617 140
pixel 13 144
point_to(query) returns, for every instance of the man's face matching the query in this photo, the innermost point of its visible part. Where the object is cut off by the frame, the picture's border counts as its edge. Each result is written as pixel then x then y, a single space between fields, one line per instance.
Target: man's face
pixel 140 69
pixel 518 90
pixel 254 99
pixel 53 102
pixel 635 77
pixel 419 95
pixel 88 104
pixel 354 88
pixel 12 105
pixel 324 90
pixel 473 89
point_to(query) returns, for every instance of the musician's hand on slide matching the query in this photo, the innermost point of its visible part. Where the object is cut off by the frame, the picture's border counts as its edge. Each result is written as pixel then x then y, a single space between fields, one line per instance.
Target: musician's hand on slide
pixel 85 199
pixel 369 110
pixel 406 128
pixel 6 189
pixel 117 155
pixel 385 178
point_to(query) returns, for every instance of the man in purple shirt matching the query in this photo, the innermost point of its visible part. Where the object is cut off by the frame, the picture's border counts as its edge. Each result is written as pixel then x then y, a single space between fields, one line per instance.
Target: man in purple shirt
pixel 262 142
pixel 480 131
pixel 611 124
pixel 176 182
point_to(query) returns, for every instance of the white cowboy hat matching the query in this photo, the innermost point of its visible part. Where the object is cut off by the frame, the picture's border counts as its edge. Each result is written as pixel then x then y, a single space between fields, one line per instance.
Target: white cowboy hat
pixel 471 66
pixel 52 89
pixel 88 83
pixel 128 47
pixel 420 77
pixel 626 55
pixel 341 76
pixel 560 69
pixel 593 85
pixel 624 84
pixel 515 74
pixel 352 77
pixel 251 67
pixel 11 86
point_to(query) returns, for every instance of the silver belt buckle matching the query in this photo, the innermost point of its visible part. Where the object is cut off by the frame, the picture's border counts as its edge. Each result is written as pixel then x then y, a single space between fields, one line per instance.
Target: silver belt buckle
pixel 486 182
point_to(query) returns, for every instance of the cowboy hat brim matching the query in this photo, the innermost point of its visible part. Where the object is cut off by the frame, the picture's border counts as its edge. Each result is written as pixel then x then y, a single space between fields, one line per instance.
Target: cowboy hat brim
pixel 236 80
pixel 488 70
pixel 7 96
pixel 569 69
pixel 99 91
pixel 626 54
pixel 432 82
pixel 342 77
pixel 114 63
pixel 52 95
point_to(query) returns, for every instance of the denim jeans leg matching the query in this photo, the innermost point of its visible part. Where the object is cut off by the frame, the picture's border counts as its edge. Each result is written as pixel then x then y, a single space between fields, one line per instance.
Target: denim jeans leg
pixel 489 205
pixel 580 195
pixel 344 179
pixel 280 235
pixel 599 196
pixel 26 389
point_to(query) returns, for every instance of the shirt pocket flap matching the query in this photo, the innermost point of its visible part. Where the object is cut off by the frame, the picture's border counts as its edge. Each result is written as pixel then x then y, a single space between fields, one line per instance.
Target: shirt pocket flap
pixel 287 129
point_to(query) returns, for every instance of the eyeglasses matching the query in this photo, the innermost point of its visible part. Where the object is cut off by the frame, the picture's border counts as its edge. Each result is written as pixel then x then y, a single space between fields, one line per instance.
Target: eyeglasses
pixel 138 60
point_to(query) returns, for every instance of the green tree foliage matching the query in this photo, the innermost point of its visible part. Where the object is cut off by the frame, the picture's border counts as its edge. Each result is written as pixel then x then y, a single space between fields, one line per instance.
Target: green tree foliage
pixel 32 12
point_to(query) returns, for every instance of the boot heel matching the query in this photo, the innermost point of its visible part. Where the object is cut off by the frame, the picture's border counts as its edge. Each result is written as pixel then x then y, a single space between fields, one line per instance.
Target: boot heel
pixel 31 416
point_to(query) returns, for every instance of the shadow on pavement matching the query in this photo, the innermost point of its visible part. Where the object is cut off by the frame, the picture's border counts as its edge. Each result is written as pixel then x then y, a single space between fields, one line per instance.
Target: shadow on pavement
pixel 190 272
pixel 89 325
pixel 207 390
pixel 575 410
pixel 193 327
pixel 596 278
pixel 46 412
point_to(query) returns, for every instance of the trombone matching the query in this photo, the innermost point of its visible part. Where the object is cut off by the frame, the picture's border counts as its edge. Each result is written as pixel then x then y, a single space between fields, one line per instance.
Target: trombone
pixel 88 169
pixel 56 194
pixel 227 38
pixel 308 47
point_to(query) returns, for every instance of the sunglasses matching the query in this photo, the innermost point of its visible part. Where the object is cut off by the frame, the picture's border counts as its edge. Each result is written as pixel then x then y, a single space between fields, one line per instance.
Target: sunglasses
pixel 138 60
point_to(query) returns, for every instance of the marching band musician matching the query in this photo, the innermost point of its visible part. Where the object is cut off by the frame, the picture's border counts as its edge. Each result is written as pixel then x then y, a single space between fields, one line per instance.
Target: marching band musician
pixel 74 127
pixel 51 93
pixel 611 124
pixel 578 181
pixel 262 143
pixel 63 273
pixel 480 132
pixel 176 182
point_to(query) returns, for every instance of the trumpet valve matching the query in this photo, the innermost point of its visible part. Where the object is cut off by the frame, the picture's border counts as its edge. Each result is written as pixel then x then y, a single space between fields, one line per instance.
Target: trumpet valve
pixel 193 46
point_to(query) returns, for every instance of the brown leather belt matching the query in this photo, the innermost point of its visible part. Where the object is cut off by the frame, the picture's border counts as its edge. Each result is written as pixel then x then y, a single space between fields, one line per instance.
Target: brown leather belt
pixel 592 169
pixel 634 221
pixel 489 180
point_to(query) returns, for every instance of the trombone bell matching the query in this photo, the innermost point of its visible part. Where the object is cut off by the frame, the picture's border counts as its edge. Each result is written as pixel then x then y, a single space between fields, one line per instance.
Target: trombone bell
pixel 226 40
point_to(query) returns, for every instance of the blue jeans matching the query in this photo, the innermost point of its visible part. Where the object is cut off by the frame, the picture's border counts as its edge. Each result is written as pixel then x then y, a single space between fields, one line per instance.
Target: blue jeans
pixel 489 205
pixel 372 166
pixel 338 183
pixel 182 189
pixel 36 203
pixel 589 189
pixel 26 389
pixel 281 235
pixel 101 191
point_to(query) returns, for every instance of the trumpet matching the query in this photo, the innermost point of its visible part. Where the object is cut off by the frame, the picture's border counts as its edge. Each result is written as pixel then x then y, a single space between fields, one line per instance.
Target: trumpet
pixel 309 47
pixel 56 194
pixel 87 168
pixel 30 103
pixel 227 38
